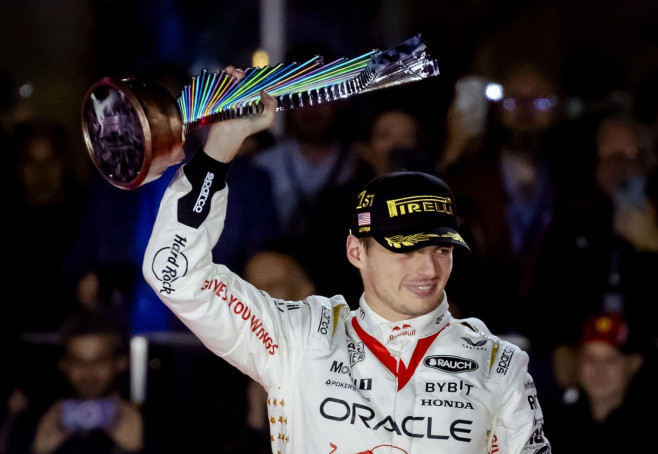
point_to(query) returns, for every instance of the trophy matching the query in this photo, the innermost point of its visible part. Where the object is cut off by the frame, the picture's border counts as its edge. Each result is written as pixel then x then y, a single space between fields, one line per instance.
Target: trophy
pixel 134 129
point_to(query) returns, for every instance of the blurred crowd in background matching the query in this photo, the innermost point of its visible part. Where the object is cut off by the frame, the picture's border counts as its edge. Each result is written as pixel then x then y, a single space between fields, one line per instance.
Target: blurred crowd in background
pixel 556 187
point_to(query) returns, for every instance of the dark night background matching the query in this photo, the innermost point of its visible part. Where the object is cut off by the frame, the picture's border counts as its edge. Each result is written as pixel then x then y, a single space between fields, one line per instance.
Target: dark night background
pixel 61 47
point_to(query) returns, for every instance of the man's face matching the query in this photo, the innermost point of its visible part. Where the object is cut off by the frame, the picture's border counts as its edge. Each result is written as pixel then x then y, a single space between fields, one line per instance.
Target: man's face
pixel 619 156
pixel 90 365
pixel 605 371
pixel 278 274
pixel 529 104
pixel 392 130
pixel 399 286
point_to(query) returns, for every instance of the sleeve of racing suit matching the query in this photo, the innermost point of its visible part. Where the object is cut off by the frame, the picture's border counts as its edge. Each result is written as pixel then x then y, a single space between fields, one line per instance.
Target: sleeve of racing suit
pixel 518 426
pixel 261 336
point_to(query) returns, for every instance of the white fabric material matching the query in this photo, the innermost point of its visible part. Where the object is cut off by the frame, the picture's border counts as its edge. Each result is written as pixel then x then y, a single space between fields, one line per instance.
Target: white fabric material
pixel 469 392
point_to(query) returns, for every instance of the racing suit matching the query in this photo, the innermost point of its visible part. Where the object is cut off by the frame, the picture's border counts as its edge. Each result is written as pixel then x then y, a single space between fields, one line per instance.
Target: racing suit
pixel 340 381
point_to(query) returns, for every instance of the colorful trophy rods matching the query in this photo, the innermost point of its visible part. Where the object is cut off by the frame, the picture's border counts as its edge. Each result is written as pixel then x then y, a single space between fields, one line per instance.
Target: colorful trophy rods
pixel 134 130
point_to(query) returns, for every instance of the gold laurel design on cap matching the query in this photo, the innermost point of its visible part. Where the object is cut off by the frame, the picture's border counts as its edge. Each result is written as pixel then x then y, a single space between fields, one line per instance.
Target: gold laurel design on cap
pixel 397 241
pixel 455 236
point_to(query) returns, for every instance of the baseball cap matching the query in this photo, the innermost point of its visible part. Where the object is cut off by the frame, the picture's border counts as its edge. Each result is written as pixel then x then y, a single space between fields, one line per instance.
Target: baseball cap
pixel 407 210
pixel 609 328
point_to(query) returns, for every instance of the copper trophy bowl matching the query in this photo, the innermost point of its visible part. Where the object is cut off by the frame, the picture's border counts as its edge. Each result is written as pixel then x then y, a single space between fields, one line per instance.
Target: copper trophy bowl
pixel 132 129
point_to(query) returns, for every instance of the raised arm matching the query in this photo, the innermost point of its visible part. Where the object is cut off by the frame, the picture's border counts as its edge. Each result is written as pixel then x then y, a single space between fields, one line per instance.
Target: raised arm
pixel 225 312
pixel 225 137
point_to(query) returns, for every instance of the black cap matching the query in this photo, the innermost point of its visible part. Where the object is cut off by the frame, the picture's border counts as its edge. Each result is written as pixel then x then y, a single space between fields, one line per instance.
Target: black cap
pixel 405 210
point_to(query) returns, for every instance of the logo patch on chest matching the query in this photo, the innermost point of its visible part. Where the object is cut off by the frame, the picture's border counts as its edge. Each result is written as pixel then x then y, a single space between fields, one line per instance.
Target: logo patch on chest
pixel 357 352
pixel 451 364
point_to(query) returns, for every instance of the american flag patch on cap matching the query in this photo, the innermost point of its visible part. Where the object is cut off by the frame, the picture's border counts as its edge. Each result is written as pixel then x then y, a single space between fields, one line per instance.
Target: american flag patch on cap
pixel 363 218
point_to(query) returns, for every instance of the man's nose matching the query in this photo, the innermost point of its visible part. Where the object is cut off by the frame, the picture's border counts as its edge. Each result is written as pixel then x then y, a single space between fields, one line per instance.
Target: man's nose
pixel 426 263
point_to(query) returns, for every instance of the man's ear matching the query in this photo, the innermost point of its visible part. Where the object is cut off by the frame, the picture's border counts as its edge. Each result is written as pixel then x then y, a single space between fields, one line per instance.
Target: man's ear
pixel 355 251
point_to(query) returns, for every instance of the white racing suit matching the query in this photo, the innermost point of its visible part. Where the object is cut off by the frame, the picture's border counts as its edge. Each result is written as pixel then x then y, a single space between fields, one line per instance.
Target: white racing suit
pixel 340 382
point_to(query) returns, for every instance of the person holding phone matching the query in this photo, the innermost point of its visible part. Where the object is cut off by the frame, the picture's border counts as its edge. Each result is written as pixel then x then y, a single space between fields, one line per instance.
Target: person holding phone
pixel 93 417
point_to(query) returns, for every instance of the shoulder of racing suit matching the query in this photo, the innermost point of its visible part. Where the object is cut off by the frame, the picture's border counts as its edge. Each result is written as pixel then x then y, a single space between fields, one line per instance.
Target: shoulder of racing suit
pixel 502 354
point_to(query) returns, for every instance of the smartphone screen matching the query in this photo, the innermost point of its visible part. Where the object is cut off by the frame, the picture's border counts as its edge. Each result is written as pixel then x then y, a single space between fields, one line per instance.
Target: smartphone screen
pixel 81 415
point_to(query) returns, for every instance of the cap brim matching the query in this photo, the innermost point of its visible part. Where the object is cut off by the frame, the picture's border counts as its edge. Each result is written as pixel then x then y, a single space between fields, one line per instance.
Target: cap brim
pixel 410 241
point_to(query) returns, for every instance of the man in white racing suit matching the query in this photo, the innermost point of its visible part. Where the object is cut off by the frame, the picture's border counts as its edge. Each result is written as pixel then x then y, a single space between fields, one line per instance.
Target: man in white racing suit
pixel 399 375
